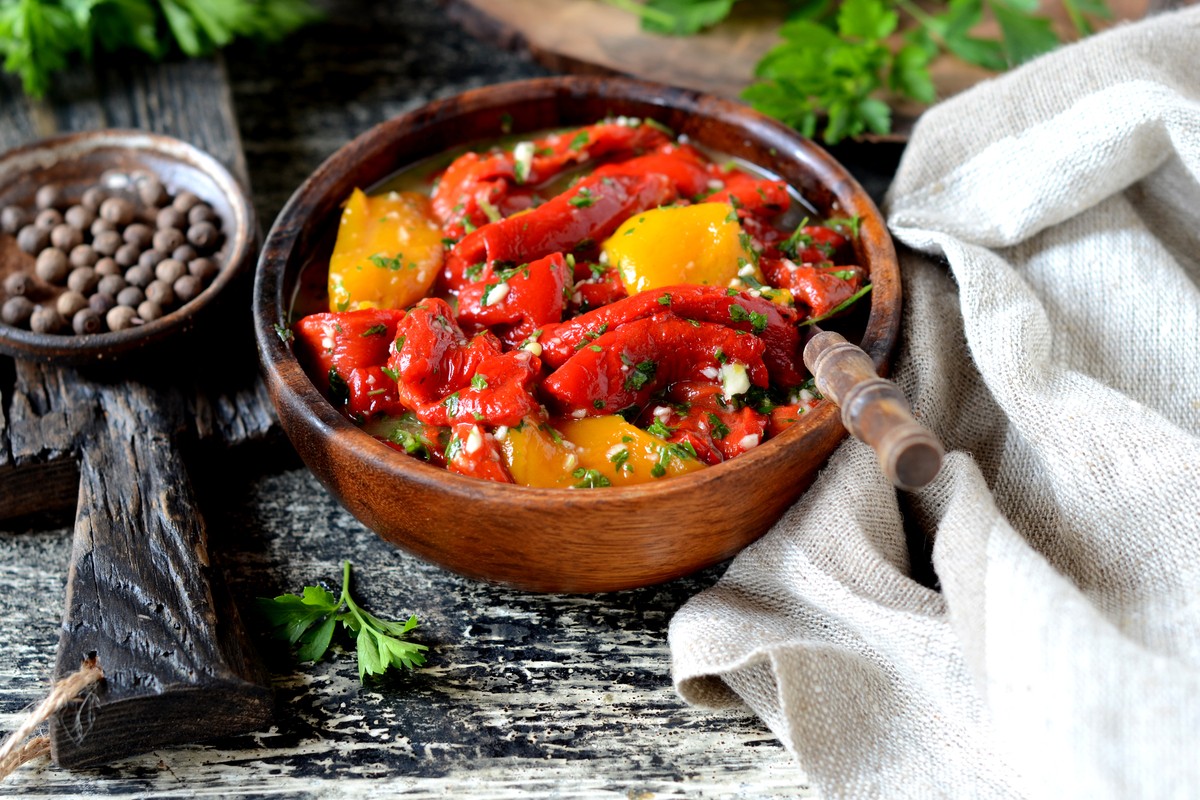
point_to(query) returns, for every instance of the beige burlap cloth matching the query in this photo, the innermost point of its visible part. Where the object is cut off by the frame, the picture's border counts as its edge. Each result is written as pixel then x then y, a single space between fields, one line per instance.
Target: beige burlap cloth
pixel 1052 339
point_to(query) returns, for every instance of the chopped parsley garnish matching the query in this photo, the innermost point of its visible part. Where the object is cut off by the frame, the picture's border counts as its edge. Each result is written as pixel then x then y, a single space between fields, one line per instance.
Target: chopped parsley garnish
pixel 493 213
pixel 620 460
pixel 738 314
pixel 848 224
pixel 339 392
pixel 792 246
pixel 579 141
pixel 479 382
pixel 598 404
pixel 395 263
pixel 849 301
pixel 451 404
pixel 844 274
pixel 719 429
pixel 589 479
pixel 665 300
pixel 473 271
pixel 660 429
pixel 583 198
pixel 640 375
pixel 285 335
pixel 595 348
pixel 391 373
pixel 374 330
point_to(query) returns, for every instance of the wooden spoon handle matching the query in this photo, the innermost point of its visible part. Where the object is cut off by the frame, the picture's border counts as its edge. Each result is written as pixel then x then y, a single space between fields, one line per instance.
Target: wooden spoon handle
pixel 874 410
pixel 143 600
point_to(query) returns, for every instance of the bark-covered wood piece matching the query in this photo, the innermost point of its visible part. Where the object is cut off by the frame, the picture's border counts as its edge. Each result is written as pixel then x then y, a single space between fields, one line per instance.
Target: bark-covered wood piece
pixel 143 599
pixel 142 594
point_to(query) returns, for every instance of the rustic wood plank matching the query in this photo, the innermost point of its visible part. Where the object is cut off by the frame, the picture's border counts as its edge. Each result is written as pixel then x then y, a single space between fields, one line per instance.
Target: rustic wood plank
pixel 139 597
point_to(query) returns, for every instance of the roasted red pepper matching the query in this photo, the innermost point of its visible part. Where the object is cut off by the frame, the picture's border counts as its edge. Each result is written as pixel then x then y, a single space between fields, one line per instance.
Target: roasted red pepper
pixel 625 367
pixel 774 324
pixel 334 343
pixel 432 357
pixel 760 197
pixel 682 164
pixel 474 186
pixel 500 392
pixel 715 428
pixel 821 287
pixel 473 452
pixel 586 213
pixel 516 302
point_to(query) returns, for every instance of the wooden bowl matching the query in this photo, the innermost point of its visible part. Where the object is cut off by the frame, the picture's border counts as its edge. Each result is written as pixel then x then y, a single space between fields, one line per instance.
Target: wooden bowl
pixel 557 539
pixel 78 161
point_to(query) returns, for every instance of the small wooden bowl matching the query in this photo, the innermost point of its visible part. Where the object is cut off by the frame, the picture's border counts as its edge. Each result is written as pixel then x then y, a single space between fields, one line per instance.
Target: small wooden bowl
pixel 76 162
pixel 555 539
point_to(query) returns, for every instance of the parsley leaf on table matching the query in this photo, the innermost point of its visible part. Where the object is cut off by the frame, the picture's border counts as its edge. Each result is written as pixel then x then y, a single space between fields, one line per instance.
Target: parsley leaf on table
pixel 837 56
pixel 309 620
pixel 41 37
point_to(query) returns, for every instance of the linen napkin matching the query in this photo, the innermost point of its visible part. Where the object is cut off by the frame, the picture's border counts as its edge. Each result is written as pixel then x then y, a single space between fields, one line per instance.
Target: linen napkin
pixel 1051 338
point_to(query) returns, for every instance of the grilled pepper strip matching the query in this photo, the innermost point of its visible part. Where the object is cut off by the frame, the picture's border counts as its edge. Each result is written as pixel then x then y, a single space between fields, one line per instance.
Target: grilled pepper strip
pixel 716 430
pixel 500 392
pixel 334 343
pixel 473 452
pixel 683 164
pixel 516 302
pixel 588 212
pixel 821 287
pixel 625 367
pixel 761 197
pixel 774 324
pixel 431 357
pixel 474 182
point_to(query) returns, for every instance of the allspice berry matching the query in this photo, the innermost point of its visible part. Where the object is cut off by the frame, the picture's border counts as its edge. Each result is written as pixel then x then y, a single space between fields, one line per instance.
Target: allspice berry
pixel 185 253
pixel 18 283
pixel 108 266
pixel 83 280
pixel 70 303
pixel 127 254
pixel 101 303
pixel 111 285
pixel 117 210
pixel 151 191
pixel 119 318
pixel 17 310
pixel 130 296
pixel 187 288
pixel 148 310
pixel 52 265
pixel 80 217
pixel 48 196
pixel 46 320
pixel 92 198
pixel 64 237
pixel 12 219
pixel 184 201
pixel 204 235
pixel 202 213
pixel 140 234
pixel 160 292
pixel 100 226
pixel 203 268
pixel 84 255
pixel 48 217
pixel 33 239
pixel 170 270
pixel 167 239
pixel 139 276
pixel 150 259
pixel 170 218
pixel 87 320
pixel 106 243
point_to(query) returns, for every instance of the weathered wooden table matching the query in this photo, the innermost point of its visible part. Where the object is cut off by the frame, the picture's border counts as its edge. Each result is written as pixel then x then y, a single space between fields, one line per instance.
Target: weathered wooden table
pixel 523 694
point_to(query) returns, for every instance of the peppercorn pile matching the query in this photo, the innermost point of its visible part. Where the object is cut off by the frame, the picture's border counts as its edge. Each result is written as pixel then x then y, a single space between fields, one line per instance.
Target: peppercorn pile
pixel 122 254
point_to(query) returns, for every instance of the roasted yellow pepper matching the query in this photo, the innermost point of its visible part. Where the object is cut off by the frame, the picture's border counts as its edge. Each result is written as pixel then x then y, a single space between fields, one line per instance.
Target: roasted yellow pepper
pixel 388 252
pixel 703 244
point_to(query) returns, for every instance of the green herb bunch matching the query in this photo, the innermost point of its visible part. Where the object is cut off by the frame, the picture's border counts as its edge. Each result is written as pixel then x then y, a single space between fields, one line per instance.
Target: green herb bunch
pixel 838 55
pixel 41 37
pixel 311 619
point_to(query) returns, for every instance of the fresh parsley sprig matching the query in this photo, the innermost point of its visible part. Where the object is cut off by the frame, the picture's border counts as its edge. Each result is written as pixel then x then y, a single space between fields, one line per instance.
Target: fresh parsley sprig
pixel 310 620
pixel 838 56
pixel 41 37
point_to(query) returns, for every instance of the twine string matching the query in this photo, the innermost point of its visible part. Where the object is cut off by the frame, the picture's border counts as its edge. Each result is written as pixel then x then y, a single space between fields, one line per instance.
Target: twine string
pixel 21 746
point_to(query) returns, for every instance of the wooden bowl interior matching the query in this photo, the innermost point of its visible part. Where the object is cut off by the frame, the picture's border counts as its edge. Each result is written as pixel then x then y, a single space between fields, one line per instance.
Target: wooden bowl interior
pixel 554 539
pixel 76 162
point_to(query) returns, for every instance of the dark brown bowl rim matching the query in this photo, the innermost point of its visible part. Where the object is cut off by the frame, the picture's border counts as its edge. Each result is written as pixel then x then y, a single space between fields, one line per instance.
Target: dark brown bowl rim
pixel 241 245
pixel 285 373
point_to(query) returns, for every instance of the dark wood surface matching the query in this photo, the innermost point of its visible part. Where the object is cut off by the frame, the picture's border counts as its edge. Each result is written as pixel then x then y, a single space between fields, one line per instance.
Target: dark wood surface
pixel 524 694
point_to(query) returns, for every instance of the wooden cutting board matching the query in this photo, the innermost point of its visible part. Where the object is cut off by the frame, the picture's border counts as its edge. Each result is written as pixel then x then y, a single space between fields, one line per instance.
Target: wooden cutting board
pixel 143 592
pixel 591 36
